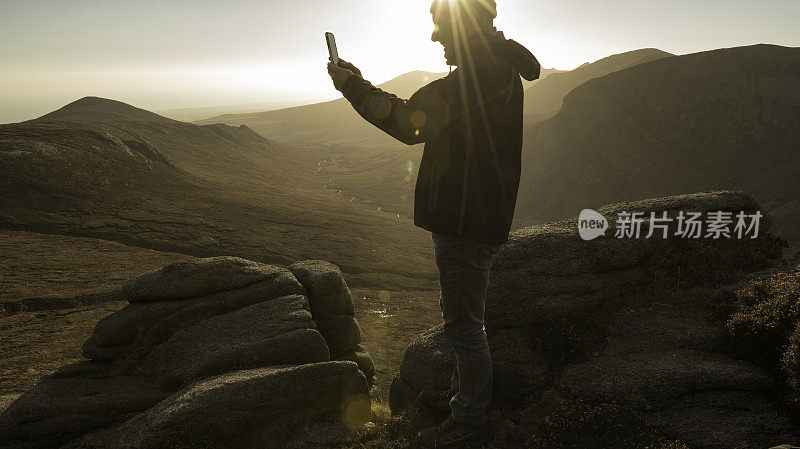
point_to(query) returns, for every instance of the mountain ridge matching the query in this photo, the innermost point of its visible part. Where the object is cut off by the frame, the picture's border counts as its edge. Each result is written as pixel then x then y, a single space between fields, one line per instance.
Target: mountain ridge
pixel 544 99
pixel 333 122
pixel 98 109
pixel 328 122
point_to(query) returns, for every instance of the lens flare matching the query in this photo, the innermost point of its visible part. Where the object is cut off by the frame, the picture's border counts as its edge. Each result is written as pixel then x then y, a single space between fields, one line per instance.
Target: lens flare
pixel 356 410
pixel 418 119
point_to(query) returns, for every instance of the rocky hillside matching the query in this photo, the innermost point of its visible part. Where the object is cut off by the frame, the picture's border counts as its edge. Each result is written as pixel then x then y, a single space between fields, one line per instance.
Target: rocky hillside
pixel 104 169
pixel 722 119
pixel 544 99
pixel 621 342
pixel 218 352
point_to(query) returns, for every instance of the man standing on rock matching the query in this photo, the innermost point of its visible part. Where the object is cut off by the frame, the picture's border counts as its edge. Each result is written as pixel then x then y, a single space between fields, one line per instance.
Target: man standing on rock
pixel 466 190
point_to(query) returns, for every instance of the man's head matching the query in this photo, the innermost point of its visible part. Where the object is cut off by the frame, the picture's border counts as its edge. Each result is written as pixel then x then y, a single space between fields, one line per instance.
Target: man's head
pixel 456 20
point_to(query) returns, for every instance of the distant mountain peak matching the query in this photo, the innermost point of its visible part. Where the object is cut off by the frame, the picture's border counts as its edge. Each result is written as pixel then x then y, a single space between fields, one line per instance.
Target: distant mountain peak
pixel 97 109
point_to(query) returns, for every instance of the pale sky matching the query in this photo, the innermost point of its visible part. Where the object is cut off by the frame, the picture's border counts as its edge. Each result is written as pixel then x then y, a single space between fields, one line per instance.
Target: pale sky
pixel 190 53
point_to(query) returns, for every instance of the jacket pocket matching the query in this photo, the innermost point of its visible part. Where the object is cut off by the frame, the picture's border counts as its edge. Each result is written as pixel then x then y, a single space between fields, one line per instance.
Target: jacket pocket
pixel 433 192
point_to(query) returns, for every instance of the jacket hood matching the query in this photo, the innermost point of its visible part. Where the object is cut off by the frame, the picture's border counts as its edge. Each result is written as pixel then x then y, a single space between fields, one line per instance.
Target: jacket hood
pixel 512 51
pixel 520 57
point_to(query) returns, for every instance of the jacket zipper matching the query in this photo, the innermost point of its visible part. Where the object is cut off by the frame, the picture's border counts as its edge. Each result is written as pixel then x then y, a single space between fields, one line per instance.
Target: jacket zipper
pixel 464 185
pixel 433 196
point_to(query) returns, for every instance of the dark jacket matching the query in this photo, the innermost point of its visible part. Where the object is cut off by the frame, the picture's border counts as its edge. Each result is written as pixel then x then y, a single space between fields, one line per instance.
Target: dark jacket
pixel 471 123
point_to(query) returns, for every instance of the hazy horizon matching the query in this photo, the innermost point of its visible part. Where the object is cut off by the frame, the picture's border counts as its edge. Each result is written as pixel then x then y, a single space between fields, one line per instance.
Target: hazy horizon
pixel 179 54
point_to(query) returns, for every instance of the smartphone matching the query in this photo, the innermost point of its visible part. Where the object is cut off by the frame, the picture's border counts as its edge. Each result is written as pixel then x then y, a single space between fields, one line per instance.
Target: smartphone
pixel 332 52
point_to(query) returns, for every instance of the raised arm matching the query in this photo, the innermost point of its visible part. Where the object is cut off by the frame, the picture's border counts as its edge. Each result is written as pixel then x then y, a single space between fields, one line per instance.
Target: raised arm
pixel 432 108
pixel 411 121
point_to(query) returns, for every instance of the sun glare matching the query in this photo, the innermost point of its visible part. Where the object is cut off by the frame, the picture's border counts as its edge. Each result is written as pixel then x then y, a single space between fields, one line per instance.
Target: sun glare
pixel 401 42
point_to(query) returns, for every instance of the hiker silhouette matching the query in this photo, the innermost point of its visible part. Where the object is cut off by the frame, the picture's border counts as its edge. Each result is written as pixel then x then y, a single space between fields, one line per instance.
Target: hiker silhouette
pixel 471 124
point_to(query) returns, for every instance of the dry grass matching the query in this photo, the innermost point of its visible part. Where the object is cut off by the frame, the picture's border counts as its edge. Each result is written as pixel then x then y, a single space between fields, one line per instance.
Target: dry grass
pixel 389 321
pixel 40 265
pixel 34 344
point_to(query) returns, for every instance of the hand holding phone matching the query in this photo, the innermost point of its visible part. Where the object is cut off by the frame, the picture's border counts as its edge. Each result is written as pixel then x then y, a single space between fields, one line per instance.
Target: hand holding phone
pixel 332 51
pixel 338 68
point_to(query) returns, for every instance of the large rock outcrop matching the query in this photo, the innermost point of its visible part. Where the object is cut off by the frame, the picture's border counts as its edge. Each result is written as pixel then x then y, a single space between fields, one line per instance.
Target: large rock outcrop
pixel 246 408
pixel 622 320
pixel 216 352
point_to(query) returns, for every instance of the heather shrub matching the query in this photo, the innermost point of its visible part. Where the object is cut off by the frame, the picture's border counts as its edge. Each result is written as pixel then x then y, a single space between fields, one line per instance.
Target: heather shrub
pixel 790 364
pixel 602 426
pixel 766 328
pixel 767 313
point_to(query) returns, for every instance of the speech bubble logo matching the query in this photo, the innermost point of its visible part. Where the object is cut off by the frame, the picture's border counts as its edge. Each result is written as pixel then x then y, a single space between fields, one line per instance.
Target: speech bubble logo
pixel 591 224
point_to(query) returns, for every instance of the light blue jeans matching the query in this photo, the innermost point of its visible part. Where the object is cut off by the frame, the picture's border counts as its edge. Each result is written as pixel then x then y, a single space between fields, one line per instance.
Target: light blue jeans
pixel 464 266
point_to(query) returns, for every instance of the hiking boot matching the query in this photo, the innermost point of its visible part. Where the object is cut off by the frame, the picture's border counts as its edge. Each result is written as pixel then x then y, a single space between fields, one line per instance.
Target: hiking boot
pixel 434 401
pixel 452 435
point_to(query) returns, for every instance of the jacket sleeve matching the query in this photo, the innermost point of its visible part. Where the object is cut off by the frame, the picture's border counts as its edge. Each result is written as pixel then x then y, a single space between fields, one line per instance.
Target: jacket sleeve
pixel 411 121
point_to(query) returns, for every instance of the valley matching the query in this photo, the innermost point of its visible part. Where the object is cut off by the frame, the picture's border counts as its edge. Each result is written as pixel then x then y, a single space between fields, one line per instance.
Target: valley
pixel 198 190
